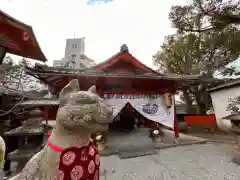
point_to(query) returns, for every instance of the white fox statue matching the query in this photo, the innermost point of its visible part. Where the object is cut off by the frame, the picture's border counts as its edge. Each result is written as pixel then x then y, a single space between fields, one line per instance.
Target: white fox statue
pixel 69 153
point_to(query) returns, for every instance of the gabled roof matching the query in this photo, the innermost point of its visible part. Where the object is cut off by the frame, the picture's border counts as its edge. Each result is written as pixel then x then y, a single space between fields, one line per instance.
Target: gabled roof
pixel 55 76
pixel 18 38
pixel 228 84
pixel 124 56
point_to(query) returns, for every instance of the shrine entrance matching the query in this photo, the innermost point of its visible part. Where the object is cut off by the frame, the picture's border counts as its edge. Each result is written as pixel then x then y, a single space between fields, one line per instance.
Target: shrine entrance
pixel 125 120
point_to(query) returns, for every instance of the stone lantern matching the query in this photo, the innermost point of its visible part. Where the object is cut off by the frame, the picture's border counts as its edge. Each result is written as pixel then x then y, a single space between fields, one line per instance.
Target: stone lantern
pixel 30 138
pixel 235 120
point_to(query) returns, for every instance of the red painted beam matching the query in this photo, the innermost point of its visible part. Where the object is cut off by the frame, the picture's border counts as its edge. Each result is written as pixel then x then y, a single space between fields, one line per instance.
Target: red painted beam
pixel 126 91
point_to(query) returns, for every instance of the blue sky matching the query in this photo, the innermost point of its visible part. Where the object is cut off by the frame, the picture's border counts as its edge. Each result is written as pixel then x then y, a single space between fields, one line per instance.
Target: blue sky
pixel 141 24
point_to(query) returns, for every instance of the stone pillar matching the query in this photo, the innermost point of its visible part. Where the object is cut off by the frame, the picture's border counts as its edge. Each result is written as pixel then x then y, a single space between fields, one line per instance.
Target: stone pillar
pixel 238 141
pixel 236 152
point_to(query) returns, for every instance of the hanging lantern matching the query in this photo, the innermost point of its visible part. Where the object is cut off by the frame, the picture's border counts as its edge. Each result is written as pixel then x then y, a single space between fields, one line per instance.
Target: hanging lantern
pixel 168 100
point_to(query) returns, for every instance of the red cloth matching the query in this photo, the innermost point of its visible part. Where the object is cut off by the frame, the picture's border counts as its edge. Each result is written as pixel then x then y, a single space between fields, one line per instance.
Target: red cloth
pixel 79 163
pixel 49 133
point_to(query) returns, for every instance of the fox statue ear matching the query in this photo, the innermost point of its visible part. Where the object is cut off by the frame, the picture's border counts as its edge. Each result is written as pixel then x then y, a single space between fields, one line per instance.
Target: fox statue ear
pixel 72 86
pixel 93 89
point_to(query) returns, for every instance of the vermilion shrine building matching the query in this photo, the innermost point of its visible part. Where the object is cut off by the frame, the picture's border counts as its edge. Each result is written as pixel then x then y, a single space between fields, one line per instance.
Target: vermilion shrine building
pixel 18 38
pixel 15 38
pixel 120 74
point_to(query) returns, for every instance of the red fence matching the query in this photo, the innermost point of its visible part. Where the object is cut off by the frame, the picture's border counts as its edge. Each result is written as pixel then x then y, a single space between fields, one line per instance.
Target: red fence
pixel 204 121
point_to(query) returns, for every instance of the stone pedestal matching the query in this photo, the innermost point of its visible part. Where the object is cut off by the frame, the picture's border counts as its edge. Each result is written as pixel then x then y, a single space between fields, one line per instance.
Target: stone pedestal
pixel 22 157
pixel 21 164
pixel 157 138
pixel 236 152
pixel 100 146
pixel 235 119
pixel 238 141
pixel 30 139
pixel 236 157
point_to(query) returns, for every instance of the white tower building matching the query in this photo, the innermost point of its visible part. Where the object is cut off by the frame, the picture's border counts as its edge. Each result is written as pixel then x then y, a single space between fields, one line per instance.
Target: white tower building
pixel 74 55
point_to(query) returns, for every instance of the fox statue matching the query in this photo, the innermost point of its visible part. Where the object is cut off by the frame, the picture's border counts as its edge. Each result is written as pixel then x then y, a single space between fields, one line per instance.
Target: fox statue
pixel 69 153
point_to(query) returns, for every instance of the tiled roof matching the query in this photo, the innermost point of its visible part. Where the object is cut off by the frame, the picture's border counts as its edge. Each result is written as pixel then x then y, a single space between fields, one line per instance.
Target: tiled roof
pixel 50 71
pixel 40 102
pixel 8 91
pixel 19 39
pixel 229 84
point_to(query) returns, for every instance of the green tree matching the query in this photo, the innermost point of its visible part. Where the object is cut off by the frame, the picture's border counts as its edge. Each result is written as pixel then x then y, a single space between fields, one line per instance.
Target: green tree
pixel 217 20
pixel 215 15
pixel 200 46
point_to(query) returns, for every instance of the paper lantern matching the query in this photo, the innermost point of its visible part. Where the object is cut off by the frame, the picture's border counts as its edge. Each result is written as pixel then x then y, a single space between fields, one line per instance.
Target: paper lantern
pixel 168 100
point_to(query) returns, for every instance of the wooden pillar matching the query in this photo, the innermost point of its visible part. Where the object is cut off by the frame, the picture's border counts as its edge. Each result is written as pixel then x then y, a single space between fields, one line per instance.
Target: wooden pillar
pixel 100 84
pixel 176 130
pixel 100 91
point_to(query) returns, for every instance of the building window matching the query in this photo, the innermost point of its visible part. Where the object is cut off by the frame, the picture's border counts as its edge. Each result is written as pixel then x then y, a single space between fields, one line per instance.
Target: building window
pixel 74 45
pixel 73 56
pixel 82 65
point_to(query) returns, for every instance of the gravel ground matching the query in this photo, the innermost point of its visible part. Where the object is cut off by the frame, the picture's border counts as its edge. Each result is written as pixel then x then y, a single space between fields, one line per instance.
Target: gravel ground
pixel 195 162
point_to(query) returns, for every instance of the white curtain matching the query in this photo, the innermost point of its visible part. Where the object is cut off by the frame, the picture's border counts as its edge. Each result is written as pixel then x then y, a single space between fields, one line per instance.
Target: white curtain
pixel 116 104
pixel 155 110
pixel 152 108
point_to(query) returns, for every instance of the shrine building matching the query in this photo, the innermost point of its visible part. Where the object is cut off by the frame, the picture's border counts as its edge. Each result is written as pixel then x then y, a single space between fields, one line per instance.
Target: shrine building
pixel 125 83
pixel 18 38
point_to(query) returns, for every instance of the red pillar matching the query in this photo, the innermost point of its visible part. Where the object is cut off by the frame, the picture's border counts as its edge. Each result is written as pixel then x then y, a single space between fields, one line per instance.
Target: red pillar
pixel 100 92
pixel 101 83
pixel 176 130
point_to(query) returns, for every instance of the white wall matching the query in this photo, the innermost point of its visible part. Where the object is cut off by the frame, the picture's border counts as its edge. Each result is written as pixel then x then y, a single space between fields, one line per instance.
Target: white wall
pixel 220 100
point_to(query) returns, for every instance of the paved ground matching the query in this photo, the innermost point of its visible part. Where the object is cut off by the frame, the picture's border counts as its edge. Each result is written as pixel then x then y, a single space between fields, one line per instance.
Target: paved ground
pixel 138 139
pixel 210 161
pixel 195 162
pixel 215 137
